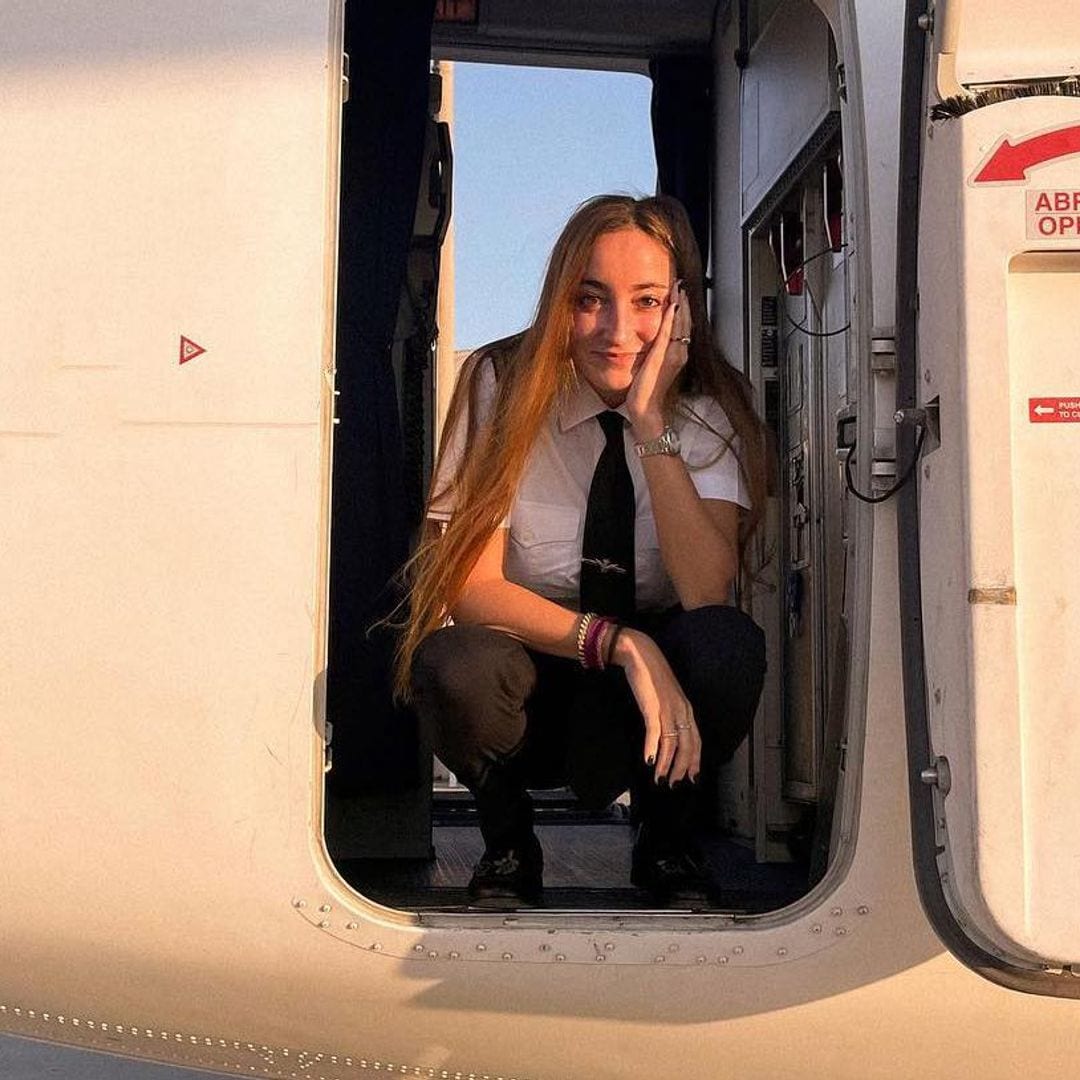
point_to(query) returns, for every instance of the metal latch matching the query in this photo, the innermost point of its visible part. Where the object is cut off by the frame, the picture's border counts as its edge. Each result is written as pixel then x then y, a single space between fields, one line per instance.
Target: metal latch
pixel 846 421
pixel 938 775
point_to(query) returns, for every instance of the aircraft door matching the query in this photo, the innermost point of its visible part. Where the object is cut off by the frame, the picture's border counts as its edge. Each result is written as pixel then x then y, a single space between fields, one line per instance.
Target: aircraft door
pixel 987 343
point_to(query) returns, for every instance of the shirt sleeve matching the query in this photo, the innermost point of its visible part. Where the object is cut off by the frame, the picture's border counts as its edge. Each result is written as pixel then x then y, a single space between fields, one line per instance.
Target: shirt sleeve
pixel 454 442
pixel 711 451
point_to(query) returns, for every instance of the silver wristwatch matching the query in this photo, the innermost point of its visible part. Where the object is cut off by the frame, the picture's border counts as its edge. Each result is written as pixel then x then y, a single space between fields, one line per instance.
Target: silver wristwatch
pixel 665 443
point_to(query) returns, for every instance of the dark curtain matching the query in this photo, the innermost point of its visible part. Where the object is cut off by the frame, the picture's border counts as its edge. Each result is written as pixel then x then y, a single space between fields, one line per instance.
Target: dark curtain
pixel 682 135
pixel 389 45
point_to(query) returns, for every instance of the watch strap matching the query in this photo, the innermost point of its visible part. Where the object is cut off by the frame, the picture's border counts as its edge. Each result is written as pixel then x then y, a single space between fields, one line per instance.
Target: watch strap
pixel 667 443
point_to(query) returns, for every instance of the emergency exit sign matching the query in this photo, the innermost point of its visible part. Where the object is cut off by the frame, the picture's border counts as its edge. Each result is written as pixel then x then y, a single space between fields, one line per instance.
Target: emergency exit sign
pixel 1053 213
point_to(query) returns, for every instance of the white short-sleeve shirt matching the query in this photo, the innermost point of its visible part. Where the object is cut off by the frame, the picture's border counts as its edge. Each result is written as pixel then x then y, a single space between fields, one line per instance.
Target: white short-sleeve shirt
pixel 547 518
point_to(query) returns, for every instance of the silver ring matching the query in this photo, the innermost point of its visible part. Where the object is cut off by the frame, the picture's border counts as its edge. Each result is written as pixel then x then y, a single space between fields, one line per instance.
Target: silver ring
pixel 682 727
pixel 684 340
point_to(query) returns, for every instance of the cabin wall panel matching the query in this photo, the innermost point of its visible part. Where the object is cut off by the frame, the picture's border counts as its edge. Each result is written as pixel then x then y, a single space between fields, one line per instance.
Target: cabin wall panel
pixel 786 92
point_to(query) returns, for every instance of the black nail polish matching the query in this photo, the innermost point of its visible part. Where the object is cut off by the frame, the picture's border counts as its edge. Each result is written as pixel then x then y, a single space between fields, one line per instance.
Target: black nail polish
pixel 651 759
pixel 661 781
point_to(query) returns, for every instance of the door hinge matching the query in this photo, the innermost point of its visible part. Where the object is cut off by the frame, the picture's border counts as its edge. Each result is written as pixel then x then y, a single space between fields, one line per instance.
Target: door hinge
pixel 883 368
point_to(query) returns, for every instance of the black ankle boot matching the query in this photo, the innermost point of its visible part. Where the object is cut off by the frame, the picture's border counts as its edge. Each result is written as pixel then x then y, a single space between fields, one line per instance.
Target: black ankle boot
pixel 667 859
pixel 511 871
pixel 668 867
pixel 510 874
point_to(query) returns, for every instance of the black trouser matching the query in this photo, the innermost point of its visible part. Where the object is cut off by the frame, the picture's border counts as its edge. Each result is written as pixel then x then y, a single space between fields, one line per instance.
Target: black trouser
pixel 504 717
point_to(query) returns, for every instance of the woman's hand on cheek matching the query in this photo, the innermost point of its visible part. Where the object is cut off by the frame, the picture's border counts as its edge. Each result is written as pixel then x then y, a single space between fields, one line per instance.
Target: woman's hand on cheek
pixel 663 361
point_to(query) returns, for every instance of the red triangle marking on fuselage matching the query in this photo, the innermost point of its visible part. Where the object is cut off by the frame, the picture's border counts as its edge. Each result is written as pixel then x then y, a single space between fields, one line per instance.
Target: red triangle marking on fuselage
pixel 189 349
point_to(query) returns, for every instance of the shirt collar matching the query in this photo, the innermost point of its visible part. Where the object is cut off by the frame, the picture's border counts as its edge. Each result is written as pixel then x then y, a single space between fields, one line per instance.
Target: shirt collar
pixel 583 403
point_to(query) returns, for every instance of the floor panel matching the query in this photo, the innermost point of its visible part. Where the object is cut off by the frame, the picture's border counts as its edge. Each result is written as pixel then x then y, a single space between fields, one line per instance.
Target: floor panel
pixel 586 867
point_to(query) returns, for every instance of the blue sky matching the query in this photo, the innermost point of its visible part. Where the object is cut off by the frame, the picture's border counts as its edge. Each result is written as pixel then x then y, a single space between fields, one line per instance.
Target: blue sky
pixel 529 145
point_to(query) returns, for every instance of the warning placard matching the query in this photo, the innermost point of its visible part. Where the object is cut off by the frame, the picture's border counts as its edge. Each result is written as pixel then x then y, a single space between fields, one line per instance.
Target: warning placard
pixel 1054 410
pixel 1053 214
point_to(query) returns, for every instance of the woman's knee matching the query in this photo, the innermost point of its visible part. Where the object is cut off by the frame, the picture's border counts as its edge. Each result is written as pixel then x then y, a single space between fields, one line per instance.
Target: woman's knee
pixel 469 684
pixel 463 662
pixel 718 655
pixel 715 638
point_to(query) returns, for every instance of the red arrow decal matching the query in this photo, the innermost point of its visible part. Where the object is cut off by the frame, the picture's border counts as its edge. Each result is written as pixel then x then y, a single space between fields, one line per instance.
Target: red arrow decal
pixel 189 350
pixel 1009 163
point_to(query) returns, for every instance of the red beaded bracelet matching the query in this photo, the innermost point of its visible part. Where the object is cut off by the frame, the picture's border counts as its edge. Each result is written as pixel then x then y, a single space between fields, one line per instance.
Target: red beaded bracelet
pixel 593 656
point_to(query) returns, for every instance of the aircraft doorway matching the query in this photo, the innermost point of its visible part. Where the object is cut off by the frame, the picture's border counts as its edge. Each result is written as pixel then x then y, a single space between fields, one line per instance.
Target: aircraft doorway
pixel 399 827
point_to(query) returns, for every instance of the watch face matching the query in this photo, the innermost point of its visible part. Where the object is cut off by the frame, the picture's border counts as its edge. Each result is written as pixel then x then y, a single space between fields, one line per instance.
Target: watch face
pixel 668 443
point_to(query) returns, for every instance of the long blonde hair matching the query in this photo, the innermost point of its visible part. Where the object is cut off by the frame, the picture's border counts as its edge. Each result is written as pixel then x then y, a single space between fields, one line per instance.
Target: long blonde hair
pixel 533 369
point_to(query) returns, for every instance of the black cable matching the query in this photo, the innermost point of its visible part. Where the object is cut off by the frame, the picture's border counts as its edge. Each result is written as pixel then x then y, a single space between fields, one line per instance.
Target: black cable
pixel 908 473
pixel 813 258
pixel 801 327
pixel 816 333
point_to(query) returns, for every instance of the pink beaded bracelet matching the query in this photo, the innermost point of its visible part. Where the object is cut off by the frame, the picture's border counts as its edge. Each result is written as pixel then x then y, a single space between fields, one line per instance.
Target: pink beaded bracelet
pixel 592 649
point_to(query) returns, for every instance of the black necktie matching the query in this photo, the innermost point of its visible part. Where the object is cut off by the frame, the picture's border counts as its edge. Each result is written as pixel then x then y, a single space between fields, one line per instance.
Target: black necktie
pixel 607 548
